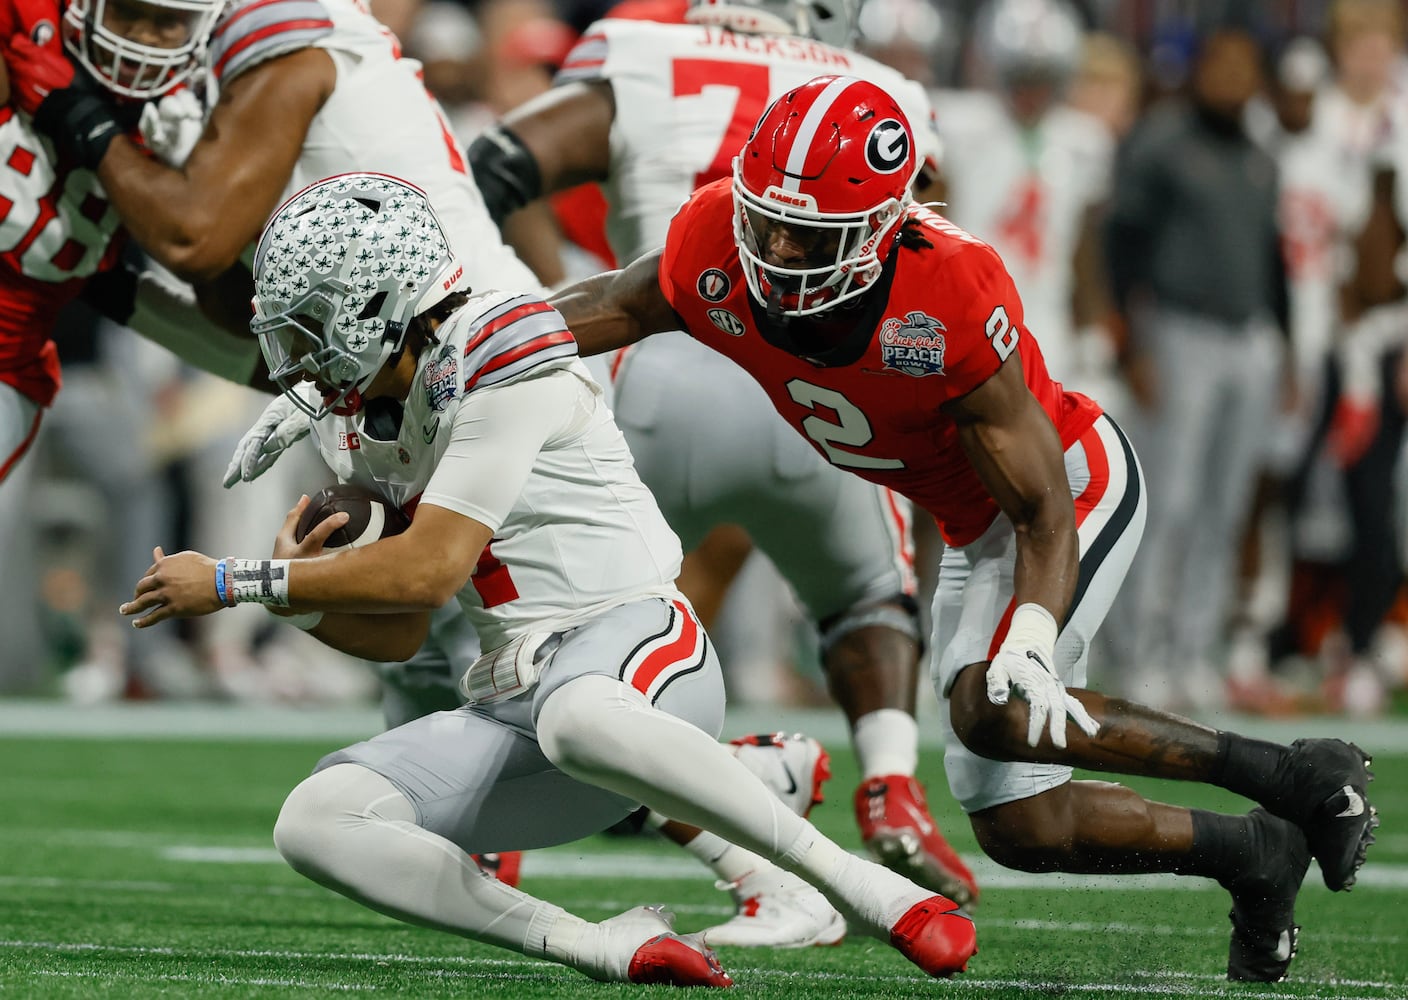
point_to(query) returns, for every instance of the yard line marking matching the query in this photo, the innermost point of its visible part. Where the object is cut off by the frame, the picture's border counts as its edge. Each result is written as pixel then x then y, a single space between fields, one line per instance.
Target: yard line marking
pixel 568 862
pixel 119 885
pixel 1143 982
pixel 172 977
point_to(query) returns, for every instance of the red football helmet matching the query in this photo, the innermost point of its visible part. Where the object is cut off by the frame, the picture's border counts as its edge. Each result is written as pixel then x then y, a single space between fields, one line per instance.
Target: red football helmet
pixel 819 191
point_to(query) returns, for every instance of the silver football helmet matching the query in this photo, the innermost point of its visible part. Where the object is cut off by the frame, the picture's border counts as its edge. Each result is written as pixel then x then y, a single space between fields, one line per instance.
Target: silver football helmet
pixel 341 270
pixel 102 36
pixel 829 21
pixel 1027 41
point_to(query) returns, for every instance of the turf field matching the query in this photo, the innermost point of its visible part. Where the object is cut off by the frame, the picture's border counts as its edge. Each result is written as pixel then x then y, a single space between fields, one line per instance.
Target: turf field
pixel 141 867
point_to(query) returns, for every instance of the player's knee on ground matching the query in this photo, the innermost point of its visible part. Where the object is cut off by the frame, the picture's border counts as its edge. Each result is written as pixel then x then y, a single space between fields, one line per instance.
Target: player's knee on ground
pixel 998 732
pixel 304 822
pixel 1036 834
pixel 325 807
pixel 580 724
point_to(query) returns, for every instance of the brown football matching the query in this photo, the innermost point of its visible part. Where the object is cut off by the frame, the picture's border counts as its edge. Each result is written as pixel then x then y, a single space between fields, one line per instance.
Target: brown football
pixel 371 516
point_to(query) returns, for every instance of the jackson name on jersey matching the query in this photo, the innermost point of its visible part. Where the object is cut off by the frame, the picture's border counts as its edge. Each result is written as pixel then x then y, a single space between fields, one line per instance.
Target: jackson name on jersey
pixel 583 535
pixel 686 98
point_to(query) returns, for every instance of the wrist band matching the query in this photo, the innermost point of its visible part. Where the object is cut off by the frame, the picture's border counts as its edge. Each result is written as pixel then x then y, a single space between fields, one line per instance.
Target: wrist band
pixel 307 622
pixel 257 581
pixel 220 583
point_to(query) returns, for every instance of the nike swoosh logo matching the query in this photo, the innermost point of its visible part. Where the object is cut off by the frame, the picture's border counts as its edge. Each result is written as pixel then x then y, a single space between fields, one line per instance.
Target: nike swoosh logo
pixel 429 430
pixel 791 778
pixel 1283 947
pixel 1355 806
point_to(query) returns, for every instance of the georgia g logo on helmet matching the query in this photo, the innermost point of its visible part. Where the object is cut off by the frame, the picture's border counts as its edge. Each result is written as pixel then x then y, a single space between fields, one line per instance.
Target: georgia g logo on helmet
pixel 887 146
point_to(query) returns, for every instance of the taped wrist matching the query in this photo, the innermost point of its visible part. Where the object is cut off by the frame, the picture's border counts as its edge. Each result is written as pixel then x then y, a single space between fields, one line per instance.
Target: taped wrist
pixel 81 123
pixel 1033 627
pixel 253 581
pixel 505 172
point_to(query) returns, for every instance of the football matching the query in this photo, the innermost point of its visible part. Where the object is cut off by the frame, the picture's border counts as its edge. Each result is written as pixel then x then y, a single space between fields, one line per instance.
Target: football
pixel 371 516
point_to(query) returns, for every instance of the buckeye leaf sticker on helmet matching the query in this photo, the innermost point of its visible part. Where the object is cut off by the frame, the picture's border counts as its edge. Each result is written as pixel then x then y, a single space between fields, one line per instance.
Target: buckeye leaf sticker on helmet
pixel 340 271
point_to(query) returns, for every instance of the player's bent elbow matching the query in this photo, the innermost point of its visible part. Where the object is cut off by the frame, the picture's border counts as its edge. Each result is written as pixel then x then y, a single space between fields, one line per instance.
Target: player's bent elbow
pixel 194 260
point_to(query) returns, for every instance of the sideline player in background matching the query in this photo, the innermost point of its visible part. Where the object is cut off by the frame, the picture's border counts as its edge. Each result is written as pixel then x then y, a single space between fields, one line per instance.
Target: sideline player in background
pixel 600 689
pixel 1027 173
pixel 895 342
pixel 652 111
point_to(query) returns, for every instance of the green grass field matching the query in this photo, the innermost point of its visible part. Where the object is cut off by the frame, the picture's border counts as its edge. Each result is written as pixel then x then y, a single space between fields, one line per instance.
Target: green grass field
pixel 143 867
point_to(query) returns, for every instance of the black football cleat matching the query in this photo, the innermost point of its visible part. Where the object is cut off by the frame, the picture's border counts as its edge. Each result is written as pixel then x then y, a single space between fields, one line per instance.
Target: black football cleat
pixel 1264 931
pixel 1322 788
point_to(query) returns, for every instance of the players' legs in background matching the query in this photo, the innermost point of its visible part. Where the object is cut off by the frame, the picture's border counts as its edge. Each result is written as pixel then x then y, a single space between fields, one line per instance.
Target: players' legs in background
pixel 78 515
pixel 711 567
pixel 22 654
pixel 1215 392
pixel 1357 680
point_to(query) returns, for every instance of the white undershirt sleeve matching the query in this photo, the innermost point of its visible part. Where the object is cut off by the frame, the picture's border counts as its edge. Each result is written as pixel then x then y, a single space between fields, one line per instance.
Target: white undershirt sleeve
pixel 495 438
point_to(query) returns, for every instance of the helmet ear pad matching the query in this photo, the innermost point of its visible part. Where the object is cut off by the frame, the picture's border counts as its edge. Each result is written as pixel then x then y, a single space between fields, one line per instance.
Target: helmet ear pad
pixel 836 155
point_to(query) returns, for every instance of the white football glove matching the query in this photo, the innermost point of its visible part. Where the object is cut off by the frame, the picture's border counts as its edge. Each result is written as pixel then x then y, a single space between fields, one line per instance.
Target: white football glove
pixel 1023 666
pixel 172 126
pixel 280 426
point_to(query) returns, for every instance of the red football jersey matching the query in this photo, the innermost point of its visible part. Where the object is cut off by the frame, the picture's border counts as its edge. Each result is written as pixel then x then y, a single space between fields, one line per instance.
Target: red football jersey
pixel 950 318
pixel 56 230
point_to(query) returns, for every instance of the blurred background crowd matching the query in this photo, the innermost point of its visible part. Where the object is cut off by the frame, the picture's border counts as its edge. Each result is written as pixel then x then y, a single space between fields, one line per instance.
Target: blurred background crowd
pixel 1202 207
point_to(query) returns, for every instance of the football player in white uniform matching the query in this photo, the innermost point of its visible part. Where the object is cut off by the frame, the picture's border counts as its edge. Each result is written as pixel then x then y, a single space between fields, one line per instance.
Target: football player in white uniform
pixel 1027 173
pixel 652 111
pixel 599 691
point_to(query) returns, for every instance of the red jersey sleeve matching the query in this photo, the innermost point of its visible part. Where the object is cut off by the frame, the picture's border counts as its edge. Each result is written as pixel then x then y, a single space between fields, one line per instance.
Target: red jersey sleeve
pixel 986 326
pixel 695 217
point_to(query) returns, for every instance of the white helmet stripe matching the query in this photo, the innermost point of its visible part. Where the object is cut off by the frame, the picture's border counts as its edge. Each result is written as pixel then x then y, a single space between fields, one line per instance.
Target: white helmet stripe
pixel 802 143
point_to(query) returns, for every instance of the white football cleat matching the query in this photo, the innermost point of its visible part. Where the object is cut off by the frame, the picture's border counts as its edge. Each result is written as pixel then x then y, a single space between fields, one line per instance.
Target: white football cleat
pixel 792 765
pixel 776 909
pixel 641 946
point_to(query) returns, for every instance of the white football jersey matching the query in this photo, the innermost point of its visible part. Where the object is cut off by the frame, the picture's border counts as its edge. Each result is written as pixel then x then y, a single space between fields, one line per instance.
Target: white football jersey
pixel 1312 218
pixel 582 535
pixel 1026 192
pixel 687 97
pixel 379 118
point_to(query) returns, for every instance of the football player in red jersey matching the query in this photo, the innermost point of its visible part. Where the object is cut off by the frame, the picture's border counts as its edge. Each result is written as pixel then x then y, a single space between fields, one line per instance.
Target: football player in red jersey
pixel 59 234
pixel 895 343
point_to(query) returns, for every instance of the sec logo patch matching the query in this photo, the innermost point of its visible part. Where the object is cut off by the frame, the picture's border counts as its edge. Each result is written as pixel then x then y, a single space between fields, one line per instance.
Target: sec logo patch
pixel 727 322
pixel 713 285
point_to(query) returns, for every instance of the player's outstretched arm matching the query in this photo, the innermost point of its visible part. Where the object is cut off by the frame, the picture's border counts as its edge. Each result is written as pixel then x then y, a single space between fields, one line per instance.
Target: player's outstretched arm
pixel 1017 454
pixel 617 308
pixel 553 142
pixel 416 571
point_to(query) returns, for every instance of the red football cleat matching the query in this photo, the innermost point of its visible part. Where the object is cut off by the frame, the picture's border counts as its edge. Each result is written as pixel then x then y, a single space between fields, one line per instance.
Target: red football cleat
pixel 506 866
pixel 672 960
pixel 898 831
pixel 936 936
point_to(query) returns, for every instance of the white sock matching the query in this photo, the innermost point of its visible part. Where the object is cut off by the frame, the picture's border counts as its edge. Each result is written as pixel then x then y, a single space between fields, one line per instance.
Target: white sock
pixel 886 742
pixel 728 861
pixel 871 897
